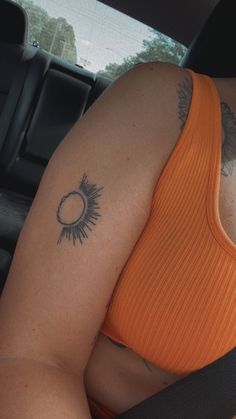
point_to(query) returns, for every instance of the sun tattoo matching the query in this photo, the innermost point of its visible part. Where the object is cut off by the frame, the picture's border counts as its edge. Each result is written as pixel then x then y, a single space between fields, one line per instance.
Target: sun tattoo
pixel 77 210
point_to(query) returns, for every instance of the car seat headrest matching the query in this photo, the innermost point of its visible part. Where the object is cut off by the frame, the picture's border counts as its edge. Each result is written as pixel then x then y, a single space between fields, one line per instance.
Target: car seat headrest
pixel 212 52
pixel 13 23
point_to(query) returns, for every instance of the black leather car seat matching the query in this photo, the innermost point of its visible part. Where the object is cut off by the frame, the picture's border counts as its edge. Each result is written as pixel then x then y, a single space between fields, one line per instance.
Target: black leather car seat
pixel 5 262
pixel 12 45
pixel 212 51
pixel 12 56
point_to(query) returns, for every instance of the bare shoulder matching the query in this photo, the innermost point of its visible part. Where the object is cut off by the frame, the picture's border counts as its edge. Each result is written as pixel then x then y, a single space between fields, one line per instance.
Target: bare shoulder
pixel 160 96
pixel 91 206
pixel 166 91
pixel 165 76
pixel 157 70
pixel 149 84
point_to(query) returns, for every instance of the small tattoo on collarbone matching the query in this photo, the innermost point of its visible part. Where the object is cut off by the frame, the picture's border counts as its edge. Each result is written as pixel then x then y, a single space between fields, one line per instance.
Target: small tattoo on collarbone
pixel 78 211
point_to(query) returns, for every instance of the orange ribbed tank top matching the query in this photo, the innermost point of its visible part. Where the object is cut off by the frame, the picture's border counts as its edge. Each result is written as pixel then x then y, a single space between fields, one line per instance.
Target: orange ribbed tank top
pixel 175 301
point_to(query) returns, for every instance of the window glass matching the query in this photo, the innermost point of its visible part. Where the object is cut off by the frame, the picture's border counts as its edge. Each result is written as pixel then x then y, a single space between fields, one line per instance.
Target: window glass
pixel 96 36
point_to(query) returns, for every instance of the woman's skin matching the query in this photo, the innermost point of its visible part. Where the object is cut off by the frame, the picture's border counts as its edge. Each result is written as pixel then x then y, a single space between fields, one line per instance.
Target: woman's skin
pixel 53 319
pixel 116 376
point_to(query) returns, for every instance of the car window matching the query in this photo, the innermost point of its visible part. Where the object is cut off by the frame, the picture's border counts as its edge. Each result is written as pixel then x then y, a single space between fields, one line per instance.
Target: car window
pixel 96 36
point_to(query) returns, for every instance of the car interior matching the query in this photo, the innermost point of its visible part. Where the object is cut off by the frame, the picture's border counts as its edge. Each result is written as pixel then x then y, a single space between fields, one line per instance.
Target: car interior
pixel 42 96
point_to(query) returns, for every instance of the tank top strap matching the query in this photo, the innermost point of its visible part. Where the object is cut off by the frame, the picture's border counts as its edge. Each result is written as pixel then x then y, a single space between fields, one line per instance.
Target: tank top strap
pixel 193 149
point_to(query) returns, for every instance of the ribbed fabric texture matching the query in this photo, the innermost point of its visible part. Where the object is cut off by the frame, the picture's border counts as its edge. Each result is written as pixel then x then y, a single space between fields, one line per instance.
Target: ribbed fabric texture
pixel 175 301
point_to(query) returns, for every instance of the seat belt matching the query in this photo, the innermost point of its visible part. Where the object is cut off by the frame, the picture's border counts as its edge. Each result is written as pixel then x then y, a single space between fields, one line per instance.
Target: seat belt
pixel 15 92
pixel 208 393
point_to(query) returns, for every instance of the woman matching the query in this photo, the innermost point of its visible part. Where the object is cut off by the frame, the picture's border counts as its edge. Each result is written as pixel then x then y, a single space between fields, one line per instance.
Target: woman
pixel 126 267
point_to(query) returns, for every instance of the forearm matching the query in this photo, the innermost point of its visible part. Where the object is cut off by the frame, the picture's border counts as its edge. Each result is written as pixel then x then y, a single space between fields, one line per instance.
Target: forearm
pixel 34 390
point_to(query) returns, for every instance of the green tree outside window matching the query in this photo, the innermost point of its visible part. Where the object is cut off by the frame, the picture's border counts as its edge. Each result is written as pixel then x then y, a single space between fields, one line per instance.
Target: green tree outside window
pixel 54 35
pixel 160 48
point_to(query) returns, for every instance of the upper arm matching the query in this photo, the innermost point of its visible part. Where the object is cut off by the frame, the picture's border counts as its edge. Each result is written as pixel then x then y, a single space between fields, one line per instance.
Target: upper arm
pixel 90 208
